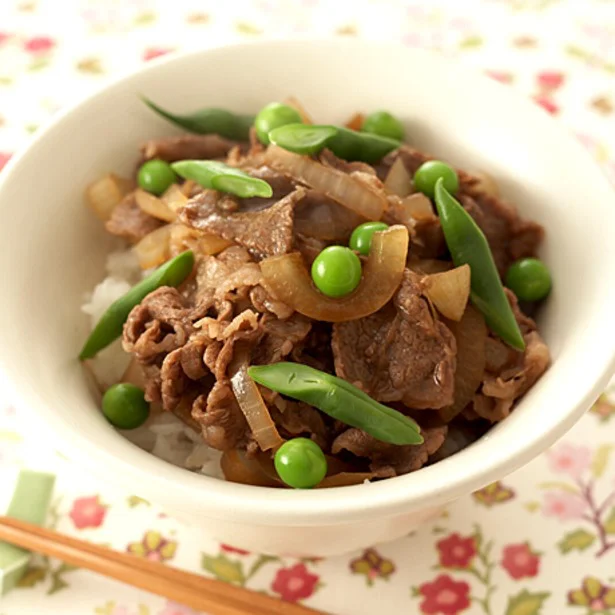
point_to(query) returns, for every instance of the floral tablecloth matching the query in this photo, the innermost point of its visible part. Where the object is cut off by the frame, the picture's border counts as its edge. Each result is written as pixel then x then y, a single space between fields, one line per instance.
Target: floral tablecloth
pixel 540 541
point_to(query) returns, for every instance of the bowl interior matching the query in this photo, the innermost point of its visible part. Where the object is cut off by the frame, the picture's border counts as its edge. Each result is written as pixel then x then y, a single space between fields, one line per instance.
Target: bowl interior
pixel 54 250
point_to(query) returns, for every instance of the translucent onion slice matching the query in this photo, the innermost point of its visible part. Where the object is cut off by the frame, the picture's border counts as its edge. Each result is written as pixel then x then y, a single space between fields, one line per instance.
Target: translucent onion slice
pixel 174 197
pixel 154 206
pixel 471 336
pixel 398 179
pixel 212 244
pixel 154 248
pixel 449 291
pixel 291 283
pixel 418 206
pixel 355 122
pixel 251 402
pixel 344 479
pixel 238 469
pixel 358 196
pixel 103 195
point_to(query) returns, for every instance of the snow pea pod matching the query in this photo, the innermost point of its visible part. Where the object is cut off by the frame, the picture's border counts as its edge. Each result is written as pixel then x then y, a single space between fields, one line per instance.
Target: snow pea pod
pixel 339 399
pixel 219 176
pixel 210 120
pixel 468 245
pixel 111 323
pixel 345 143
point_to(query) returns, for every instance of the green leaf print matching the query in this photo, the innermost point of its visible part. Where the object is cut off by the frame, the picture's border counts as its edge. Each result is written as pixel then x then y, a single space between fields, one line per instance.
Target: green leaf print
pixel 33 576
pixel 224 569
pixel 601 459
pixel 559 485
pixel 471 42
pixel 526 603
pixel 579 540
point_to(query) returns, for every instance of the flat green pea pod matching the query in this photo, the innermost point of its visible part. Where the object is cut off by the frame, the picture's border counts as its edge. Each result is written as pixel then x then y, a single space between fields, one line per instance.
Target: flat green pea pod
pixel 339 399
pixel 219 176
pixel 468 245
pixel 345 143
pixel 110 326
pixel 209 121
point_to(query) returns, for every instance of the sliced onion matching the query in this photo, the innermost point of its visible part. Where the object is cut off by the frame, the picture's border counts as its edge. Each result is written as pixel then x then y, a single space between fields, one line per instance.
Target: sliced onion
pixel 291 101
pixel 154 206
pixel 238 469
pixel 291 283
pixel 486 184
pixel 471 336
pixel 103 195
pixel 356 195
pixel 355 122
pixel 449 291
pixel 343 479
pixel 398 179
pixel 154 248
pixel 175 197
pixel 212 244
pixel 251 402
pixel 418 206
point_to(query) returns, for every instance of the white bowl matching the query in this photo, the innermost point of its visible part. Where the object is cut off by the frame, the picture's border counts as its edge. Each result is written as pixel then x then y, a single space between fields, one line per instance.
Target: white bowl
pixel 54 249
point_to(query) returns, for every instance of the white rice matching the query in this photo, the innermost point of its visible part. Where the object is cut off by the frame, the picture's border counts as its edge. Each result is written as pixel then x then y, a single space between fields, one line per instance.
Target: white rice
pixel 163 435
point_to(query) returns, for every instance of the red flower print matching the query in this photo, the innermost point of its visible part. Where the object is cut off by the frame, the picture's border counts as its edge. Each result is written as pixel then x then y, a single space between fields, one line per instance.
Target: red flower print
pixel 294 583
pixel 4 36
pixel 564 506
pixel 4 158
pixel 520 561
pixel 87 512
pixel 444 596
pixel 229 549
pixel 155 52
pixel 501 76
pixel 550 80
pixel 547 104
pixel 456 552
pixel 39 44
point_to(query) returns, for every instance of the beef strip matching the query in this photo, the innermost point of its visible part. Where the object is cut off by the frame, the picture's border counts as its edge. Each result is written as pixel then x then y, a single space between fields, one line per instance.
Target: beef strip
pixel 185 147
pixel 388 460
pixel 510 236
pixel 160 324
pixel 267 232
pixel 298 419
pixel 400 353
pixel 129 221
pixel 510 373
pixel 222 423
pixel 281 336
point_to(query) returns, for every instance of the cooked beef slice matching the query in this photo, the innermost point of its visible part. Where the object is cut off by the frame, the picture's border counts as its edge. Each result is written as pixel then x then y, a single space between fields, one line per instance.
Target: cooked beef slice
pixel 388 460
pixel 510 236
pixel 400 353
pixel 222 423
pixel 510 373
pixel 186 147
pixel 266 232
pixel 129 221
pixel 160 324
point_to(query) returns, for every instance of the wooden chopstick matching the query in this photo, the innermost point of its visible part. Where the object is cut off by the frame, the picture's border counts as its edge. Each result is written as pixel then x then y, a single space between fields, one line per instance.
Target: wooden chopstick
pixel 197 592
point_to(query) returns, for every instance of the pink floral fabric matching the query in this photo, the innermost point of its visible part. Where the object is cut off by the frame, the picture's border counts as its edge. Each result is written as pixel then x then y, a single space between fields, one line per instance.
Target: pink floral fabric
pixel 539 542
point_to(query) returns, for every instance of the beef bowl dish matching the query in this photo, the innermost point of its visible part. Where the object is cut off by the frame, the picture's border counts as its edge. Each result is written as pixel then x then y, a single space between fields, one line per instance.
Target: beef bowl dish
pixel 308 305
pixel 303 326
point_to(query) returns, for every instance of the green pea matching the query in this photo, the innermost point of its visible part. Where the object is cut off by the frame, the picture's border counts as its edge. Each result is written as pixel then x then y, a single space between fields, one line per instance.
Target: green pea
pixel 273 116
pixel 300 463
pixel 124 406
pixel 529 279
pixel 336 271
pixel 430 172
pixel 361 238
pixel 384 124
pixel 156 176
